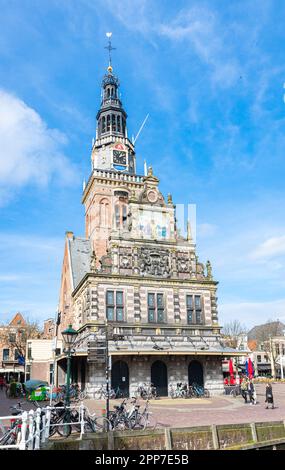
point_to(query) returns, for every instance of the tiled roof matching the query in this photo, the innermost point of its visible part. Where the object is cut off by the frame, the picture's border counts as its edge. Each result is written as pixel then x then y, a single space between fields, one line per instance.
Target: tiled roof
pixel 80 254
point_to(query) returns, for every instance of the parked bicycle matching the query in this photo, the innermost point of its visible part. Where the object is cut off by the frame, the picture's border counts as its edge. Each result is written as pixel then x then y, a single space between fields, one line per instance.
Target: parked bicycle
pixel 199 391
pixel 181 391
pixel 101 393
pixel 12 435
pixel 150 420
pixel 146 391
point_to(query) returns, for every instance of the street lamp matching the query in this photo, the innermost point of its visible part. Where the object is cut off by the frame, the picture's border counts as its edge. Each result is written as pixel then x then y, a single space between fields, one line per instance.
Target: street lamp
pixel 69 336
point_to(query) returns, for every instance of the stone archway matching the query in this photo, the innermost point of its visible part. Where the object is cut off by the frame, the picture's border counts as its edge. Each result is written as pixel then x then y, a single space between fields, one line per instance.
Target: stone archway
pixel 120 377
pixel 159 378
pixel 195 373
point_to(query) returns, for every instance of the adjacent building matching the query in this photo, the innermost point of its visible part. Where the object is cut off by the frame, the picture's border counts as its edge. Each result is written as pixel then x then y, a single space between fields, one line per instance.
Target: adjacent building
pixel 40 357
pixel 11 356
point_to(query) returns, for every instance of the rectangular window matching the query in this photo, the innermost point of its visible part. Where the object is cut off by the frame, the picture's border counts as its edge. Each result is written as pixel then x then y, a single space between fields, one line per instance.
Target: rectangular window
pixel 6 353
pixel 155 308
pixel 12 337
pixel 29 351
pixel 115 305
pixel 194 309
pixel 28 372
pixel 258 358
pixel 189 306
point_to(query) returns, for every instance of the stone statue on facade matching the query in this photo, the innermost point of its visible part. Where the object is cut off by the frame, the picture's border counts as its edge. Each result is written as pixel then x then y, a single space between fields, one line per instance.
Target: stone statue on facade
pixel 93 264
pixel 209 270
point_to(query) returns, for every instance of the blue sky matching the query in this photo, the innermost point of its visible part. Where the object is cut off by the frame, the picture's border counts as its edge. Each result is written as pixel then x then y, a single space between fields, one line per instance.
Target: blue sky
pixel 211 76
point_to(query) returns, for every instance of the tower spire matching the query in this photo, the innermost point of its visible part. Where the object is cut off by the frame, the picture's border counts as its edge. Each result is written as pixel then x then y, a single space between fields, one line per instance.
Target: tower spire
pixel 110 49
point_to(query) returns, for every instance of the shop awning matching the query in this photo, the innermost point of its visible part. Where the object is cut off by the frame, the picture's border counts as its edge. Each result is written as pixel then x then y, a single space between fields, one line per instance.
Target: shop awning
pixel 263 366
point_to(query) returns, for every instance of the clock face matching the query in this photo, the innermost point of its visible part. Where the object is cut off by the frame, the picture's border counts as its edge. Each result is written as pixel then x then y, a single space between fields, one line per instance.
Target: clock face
pixel 119 156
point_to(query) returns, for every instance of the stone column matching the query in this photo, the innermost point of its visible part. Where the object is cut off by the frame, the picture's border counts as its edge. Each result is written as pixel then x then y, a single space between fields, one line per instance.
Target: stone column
pixel 214 310
pixel 177 316
pixel 137 305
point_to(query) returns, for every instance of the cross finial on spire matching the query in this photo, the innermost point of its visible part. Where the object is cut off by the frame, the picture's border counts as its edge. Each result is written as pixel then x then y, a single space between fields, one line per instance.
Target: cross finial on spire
pixel 110 49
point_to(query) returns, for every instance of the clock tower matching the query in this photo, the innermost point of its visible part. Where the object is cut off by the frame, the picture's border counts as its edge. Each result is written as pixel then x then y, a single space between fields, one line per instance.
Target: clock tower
pixel 112 150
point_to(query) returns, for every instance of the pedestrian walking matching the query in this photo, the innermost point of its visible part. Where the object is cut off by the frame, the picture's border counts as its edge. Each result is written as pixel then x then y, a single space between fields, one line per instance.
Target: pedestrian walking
pixel 269 395
pixel 244 390
pixel 251 393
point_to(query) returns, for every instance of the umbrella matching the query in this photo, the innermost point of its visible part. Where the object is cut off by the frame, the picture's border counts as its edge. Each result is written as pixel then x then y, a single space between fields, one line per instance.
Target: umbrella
pixel 231 368
pixel 32 384
pixel 250 368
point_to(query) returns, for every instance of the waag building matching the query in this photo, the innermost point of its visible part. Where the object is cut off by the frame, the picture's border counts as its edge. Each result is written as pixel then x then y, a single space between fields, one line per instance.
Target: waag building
pixel 134 275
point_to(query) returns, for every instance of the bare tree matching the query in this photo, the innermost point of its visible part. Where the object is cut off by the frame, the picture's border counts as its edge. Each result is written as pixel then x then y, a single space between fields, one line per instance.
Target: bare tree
pixel 232 331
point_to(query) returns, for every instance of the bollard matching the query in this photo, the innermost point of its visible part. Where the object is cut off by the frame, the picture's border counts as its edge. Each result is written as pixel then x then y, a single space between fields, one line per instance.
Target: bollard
pixel 43 430
pixel 81 415
pixel 48 415
pixel 38 428
pixel 22 444
pixel 31 430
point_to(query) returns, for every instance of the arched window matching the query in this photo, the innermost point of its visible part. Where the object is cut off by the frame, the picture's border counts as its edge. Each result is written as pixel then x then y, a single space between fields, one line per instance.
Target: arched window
pixel 113 123
pixel 104 213
pixel 118 123
pixel 121 215
pixel 108 93
pixel 108 122
pixel 103 124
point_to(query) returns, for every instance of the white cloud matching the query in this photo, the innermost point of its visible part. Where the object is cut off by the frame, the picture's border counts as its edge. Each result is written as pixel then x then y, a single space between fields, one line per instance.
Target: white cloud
pixel 30 152
pixel 252 313
pixel 274 246
pixel 202 29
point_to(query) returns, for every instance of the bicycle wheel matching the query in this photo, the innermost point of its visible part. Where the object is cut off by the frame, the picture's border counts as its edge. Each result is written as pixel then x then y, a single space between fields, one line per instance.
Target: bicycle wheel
pixel 206 393
pixel 102 424
pixel 140 422
pixel 64 430
pixel 121 424
pixel 74 417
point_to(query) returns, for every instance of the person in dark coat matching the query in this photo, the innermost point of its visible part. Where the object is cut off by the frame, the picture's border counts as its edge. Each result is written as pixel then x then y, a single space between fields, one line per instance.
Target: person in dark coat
pixel 250 390
pixel 269 395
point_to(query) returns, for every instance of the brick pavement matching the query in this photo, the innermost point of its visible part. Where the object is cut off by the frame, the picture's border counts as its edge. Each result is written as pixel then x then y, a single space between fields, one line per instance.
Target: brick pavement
pixel 194 412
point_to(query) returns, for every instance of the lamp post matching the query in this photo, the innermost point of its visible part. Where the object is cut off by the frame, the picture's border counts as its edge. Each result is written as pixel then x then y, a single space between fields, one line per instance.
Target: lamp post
pixel 69 336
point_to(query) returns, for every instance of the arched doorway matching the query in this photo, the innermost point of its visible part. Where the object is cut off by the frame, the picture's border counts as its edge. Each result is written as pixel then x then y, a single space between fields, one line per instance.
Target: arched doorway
pixel 159 378
pixel 195 373
pixel 120 377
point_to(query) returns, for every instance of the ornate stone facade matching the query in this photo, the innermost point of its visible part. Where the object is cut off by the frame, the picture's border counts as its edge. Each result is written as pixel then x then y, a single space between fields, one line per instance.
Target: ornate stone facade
pixel 135 271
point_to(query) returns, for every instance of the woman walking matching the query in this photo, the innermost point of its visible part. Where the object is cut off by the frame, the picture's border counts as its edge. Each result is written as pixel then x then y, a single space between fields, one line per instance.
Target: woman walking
pixel 269 395
pixel 244 387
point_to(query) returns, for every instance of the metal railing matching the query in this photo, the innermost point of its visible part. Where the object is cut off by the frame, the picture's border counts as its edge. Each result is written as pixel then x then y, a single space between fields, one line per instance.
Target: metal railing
pixel 34 426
